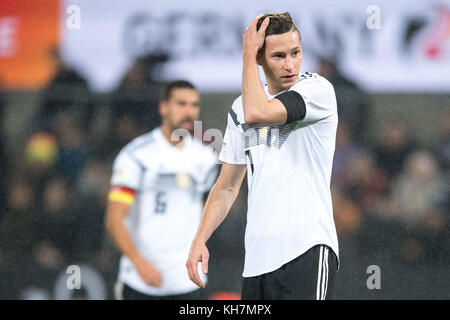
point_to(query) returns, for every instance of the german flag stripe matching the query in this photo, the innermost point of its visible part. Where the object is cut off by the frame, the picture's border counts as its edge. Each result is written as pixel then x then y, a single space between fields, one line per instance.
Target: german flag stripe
pixel 123 189
pixel 122 194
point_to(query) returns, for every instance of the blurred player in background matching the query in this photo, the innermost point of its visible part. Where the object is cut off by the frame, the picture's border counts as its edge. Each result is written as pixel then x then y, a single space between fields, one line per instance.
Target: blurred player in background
pixel 155 201
pixel 283 134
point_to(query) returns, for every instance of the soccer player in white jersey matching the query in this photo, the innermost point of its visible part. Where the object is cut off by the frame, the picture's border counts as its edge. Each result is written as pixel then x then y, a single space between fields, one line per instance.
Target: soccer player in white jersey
pixel 283 135
pixel 156 198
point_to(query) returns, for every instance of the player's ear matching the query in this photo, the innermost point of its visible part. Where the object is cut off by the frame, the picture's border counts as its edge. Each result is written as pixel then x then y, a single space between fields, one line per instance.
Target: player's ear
pixel 260 58
pixel 162 108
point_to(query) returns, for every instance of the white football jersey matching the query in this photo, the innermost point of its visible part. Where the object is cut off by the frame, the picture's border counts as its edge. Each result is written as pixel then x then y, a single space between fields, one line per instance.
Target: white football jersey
pixel 288 173
pixel 169 183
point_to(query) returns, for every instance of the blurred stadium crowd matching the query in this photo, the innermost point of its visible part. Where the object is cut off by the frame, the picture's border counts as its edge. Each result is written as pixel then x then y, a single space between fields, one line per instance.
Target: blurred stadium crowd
pixel 391 193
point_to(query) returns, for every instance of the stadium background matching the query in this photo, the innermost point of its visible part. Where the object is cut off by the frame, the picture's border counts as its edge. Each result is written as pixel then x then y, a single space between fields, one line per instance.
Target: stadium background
pixel 73 92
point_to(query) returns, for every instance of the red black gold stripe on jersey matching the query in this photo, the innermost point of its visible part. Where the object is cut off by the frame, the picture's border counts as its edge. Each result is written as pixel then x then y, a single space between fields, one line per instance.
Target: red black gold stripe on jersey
pixel 121 194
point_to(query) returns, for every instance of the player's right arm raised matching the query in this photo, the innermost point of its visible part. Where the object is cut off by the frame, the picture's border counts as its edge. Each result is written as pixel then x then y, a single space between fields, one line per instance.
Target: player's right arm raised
pixel 220 199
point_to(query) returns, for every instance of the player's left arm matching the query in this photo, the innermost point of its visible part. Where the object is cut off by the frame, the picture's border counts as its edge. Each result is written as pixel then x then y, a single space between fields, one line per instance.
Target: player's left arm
pixel 258 109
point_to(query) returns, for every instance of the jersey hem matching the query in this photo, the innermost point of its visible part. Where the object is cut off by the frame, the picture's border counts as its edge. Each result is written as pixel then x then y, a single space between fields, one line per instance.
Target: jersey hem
pixel 276 267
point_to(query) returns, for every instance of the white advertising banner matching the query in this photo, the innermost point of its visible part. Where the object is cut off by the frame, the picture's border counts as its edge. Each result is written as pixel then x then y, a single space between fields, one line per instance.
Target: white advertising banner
pixel 383 45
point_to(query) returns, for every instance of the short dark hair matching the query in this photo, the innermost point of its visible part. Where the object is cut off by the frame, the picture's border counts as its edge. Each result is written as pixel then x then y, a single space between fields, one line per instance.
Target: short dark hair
pixel 177 84
pixel 279 23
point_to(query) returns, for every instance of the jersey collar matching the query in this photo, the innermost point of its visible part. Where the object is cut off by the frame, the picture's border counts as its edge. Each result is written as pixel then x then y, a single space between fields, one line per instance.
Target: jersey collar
pixel 163 141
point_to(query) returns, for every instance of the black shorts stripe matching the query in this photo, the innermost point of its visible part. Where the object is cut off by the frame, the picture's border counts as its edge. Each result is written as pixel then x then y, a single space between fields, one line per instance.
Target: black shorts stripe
pixel 319 275
pixel 322 274
pixel 326 273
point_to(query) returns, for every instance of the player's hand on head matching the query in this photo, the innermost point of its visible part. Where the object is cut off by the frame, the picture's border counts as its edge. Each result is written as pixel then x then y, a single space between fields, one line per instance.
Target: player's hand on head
pixel 198 253
pixel 148 273
pixel 253 39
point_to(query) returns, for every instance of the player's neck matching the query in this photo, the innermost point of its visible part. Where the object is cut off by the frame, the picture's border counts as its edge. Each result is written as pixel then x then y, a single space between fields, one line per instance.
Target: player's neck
pixel 167 134
pixel 273 89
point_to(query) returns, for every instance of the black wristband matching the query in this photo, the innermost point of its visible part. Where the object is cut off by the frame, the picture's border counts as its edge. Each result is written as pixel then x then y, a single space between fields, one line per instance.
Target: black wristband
pixel 294 104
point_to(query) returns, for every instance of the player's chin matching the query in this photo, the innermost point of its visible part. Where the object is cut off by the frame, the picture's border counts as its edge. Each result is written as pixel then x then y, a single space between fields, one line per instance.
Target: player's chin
pixel 187 126
pixel 286 83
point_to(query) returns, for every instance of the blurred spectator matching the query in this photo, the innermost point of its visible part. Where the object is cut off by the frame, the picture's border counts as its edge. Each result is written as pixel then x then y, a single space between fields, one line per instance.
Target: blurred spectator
pixel 73 148
pixel 394 146
pixel 123 131
pixel 92 190
pixel 57 230
pixel 39 160
pixel 18 226
pixel 347 214
pixel 364 186
pixel 345 151
pixel 134 106
pixel 364 182
pixel 419 194
pixel 68 92
pixel 351 101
